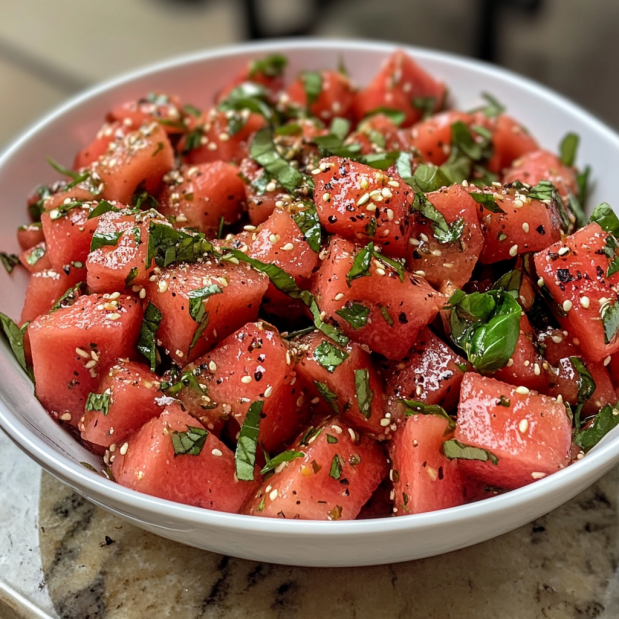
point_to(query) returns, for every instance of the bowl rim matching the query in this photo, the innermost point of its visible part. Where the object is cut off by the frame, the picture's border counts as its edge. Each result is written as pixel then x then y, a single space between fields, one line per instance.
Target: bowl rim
pixel 89 482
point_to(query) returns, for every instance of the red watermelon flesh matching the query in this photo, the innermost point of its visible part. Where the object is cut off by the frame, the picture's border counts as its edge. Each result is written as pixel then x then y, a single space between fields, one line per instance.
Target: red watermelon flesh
pixel 149 465
pixel 35 259
pixel 531 436
pixel 107 134
pixel 67 341
pixel 424 480
pixel 133 391
pixel 30 235
pixel 331 481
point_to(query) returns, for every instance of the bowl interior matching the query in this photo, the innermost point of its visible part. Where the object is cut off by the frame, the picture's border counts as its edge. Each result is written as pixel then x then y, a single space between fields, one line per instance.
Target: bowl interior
pixel 196 79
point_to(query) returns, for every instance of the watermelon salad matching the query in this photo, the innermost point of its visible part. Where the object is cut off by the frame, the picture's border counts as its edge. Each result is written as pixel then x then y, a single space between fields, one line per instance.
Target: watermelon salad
pixel 317 300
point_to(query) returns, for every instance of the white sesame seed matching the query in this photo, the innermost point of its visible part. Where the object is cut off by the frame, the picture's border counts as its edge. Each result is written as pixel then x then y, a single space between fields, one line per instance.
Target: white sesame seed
pixel 115 295
pixel 280 467
pixel 246 379
pixel 162 286
pixel 337 429
pixel 370 207
pixel 217 452
pixel 567 305
pixel 522 390
pixel 580 456
pixel 557 339
pixel 540 282
pixel 224 137
pixel 124 448
pixel 315 171
pixel 66 417
pixel 384 422
pixel 143 293
pixel 386 192
pixel 212 146
pixel 576 341
pixel 389 214
pixel 437 252
pixel 413 241
pixel 273 494
pixel 424 237
pixel 338 296
pixel 114 316
pixel 90 364
pixel 270 186
pixel 274 238
pixel 536 369
pixel 525 226
pixel 560 399
pixel 538 475
pixel 82 353
pixel 527 363
pixel 513 250
pixel 518 203
pixel 523 426
pixel 607 360
pixel 510 363
pixel 353 436
pixel 249 228
pixel 212 366
pixel 380 271
pixel 288 247
pixel 287 358
pixel 584 301
pixel 563 251
pixel 268 391
pixel 420 273
pixel 363 199
pixel 393 183
pixel 363 183
pixel 326 197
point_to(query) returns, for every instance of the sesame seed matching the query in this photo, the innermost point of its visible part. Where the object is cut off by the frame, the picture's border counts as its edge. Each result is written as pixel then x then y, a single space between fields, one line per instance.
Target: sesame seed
pixel 536 369
pixel 580 456
pixel 420 273
pixel 326 197
pixel 563 251
pixel 246 379
pixel 288 247
pixel 224 137
pixel 559 399
pixel 540 282
pixel 518 203
pixel 525 226
pixel 380 271
pixel 363 183
pixel 522 390
pixel 576 341
pixel 393 183
pixel 82 353
pixel 607 360
pixel 567 305
pixel 424 237
pixel 124 448
pixel 315 400
pixel 280 467
pixel 510 363
pixel 370 207
pixel 287 358
pixel 523 426
pixel 413 241
pixel 389 214
pixel 143 293
pixel 114 316
pixel 584 301
pixel 162 286
pixel 212 366
pixel 115 295
pixel 274 238
pixel 337 429
pixel 300 400
pixel 66 417
pixel 363 199
pixel 557 339
pixel 513 251
pixel 386 192
pixel 538 475
pixel 212 146
pixel 273 494
pixel 353 436
pixel 392 495
pixel 315 171
pixel 384 422
pixel 270 186
pixel 90 364
pixel 437 252
pixel 249 228
pixel 217 452
pixel 338 296
pixel 268 391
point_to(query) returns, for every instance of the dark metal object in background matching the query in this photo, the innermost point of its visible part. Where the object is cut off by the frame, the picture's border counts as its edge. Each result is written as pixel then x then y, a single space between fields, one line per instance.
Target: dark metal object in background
pixel 489 23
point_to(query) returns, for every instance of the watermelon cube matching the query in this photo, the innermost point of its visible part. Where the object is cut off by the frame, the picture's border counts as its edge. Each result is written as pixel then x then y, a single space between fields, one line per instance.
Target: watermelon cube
pixel 424 479
pixel 345 376
pixel 30 235
pixel 231 297
pixel 200 195
pixel 128 398
pixel 439 261
pixel 154 107
pixel 335 475
pixel 574 273
pixel 529 434
pixel 174 458
pixel 35 259
pixel 378 309
pixel 110 132
pixel 253 364
pixel 260 197
pixel 72 346
pixel 363 204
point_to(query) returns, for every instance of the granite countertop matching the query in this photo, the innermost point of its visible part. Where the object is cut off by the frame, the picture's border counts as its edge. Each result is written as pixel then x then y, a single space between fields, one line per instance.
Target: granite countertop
pixel 62 557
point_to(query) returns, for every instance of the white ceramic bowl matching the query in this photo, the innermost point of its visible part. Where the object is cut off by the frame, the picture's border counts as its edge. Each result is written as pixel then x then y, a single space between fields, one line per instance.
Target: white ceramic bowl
pixel 196 78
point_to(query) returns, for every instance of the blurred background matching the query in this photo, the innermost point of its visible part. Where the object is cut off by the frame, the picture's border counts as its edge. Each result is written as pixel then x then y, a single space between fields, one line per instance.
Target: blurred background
pixel 51 49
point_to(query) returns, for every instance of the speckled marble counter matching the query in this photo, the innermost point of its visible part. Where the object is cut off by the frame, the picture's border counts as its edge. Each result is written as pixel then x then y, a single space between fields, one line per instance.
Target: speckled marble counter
pixel 62 557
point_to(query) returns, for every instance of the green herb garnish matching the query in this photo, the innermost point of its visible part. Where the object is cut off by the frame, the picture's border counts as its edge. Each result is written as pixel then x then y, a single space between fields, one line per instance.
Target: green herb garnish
pixel 365 395
pixel 456 450
pixel 247 445
pixel 189 443
pixel 146 344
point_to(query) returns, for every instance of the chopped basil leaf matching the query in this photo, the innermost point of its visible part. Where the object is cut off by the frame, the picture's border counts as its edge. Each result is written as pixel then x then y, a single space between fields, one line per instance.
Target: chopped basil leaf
pixel 220 230
pixel 189 443
pixel 10 261
pixel 386 315
pixel 310 434
pixel 582 180
pixel 425 104
pixel 604 422
pixel 443 232
pixel 340 127
pixel 356 315
pixel 568 149
pixel 365 395
pixel 289 129
pixel 101 239
pixel 263 152
pixel 545 190
pixel 486 326
pixel 247 445
pixel 312 83
pixel 192 110
pixel 298 333
pixel 329 356
pixel 428 178
pixel 586 386
pixel 336 467
pixel 462 139
pixel 370 227
pixel 332 439
pixel 63 209
pixel 67 299
pixel 577 209
pixel 504 401
pixel 286 283
pixel 89 466
pixel 36 209
pixel 414 407
pixel 272 65
pixel 187 379
pixel 76 176
pixel 329 397
pixel 247 96
pixel 456 450
pixel 379 161
pixel 361 263
pixel 99 402
pixel 510 283
pixel 487 200
pixel 403 167
pixel 168 246
pixel 605 217
pixel 146 341
pixel 286 456
pixel 199 331
pixel 610 320
pixel 331 144
pixel 309 224
pixel 394 263
pixel 197 298
pixel 193 139
pixel 143 197
pixel 397 117
pixel 493 107
pixel 34 255
pixel 103 207
pixel 15 337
